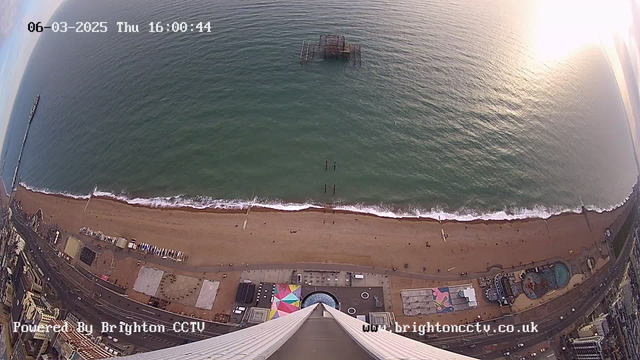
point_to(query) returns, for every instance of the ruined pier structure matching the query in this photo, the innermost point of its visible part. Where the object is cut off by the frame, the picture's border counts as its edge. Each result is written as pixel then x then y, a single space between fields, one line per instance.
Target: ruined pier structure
pixel 331 47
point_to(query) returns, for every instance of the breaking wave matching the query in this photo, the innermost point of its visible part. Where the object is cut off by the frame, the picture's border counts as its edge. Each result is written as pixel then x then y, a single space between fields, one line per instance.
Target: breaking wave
pixel 385 211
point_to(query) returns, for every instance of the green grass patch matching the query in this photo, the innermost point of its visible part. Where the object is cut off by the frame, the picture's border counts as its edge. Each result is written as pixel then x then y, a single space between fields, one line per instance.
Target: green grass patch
pixel 623 234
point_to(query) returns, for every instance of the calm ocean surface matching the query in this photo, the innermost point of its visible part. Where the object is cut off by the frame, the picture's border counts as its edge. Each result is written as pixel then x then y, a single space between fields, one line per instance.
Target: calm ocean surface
pixel 451 111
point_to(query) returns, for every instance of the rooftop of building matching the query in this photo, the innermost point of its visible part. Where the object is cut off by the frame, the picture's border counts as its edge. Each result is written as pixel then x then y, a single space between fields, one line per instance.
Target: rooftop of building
pixel 588 339
pixel 83 344
pixel 37 300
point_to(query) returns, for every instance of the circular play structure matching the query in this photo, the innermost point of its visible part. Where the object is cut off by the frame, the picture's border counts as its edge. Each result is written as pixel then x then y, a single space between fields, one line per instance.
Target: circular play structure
pixel 364 295
pixel 351 311
pixel 542 279
pixel 320 297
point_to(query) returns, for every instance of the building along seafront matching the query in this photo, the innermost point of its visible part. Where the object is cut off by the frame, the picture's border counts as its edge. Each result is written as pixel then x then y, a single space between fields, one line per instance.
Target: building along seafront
pixel 229 298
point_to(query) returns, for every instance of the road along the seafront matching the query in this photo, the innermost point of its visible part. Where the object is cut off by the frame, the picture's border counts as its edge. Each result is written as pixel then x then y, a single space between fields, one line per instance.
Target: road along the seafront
pixel 572 307
pixel 98 304
pixel 548 320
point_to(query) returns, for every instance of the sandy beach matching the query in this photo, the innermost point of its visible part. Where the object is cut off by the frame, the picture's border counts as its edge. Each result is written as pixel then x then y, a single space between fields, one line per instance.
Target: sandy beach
pixel 212 237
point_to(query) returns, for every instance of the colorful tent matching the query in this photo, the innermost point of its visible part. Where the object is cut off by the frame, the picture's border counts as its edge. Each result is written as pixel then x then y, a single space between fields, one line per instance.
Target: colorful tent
pixel 286 299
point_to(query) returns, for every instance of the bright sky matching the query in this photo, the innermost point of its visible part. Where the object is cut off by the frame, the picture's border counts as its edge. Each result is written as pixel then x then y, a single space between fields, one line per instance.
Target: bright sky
pixel 564 26
pixel 16 45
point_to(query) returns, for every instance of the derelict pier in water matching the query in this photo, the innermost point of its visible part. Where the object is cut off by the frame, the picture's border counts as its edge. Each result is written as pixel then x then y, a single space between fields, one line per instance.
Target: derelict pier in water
pixel 331 47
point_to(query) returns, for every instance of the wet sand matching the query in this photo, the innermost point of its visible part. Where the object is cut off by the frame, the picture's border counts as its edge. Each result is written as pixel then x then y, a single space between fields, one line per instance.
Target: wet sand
pixel 220 237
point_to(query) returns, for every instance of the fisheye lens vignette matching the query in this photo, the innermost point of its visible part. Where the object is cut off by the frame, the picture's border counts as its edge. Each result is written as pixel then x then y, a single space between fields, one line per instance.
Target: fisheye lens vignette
pixel 258 180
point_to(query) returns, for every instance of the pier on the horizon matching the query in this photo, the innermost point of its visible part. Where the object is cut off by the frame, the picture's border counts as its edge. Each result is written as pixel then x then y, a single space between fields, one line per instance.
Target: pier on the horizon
pixel 26 133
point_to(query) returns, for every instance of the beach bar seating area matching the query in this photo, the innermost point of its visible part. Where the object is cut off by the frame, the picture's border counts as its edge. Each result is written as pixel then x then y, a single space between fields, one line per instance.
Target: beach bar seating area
pixel 131 245
pixel 331 47
pixel 99 235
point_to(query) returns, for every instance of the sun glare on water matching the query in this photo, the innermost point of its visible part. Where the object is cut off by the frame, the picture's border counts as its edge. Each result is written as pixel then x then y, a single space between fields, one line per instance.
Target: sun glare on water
pixel 565 26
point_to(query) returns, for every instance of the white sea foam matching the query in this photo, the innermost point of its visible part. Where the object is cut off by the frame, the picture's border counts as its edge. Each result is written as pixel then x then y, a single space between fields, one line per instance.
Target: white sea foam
pixel 201 202
pixel 51 192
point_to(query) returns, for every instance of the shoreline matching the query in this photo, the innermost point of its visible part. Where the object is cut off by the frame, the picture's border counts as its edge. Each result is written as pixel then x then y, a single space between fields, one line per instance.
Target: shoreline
pixel 213 237
pixel 243 206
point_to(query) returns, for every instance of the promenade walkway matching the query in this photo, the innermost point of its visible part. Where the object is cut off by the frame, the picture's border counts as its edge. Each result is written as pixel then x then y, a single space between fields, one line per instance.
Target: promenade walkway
pixel 120 254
